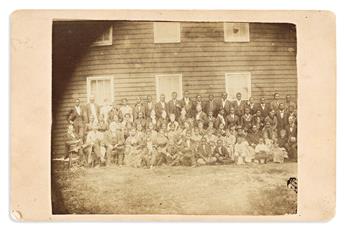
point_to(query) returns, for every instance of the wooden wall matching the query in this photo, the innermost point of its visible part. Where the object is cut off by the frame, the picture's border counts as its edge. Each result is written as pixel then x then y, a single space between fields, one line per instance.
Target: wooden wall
pixel 202 57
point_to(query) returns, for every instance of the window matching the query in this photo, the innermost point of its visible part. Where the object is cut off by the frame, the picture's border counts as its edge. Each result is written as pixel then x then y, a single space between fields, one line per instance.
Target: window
pixel 101 87
pixel 166 32
pixel 238 82
pixel 168 83
pixel 236 32
pixel 106 38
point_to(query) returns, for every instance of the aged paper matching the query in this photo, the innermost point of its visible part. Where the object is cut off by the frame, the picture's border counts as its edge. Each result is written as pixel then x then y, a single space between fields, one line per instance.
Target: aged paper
pixel 32 170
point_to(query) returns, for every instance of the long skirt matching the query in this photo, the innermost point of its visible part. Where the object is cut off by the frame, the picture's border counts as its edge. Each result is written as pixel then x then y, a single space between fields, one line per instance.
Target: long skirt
pixel 133 157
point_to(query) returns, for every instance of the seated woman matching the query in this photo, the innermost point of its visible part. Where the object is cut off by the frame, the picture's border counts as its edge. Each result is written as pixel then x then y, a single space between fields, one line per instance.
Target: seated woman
pixel 210 127
pixel 229 141
pixel 186 155
pixel 242 151
pixel 261 152
pixel 162 142
pixel 196 136
pixel 133 150
pixel 221 130
pixel 149 155
pixel 152 119
pixel 172 124
pixel 279 153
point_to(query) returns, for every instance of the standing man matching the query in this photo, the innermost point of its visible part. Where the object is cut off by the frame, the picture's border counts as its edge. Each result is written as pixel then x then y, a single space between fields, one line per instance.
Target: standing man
pixel 149 106
pixel 263 108
pixel 251 105
pixel 126 109
pixel 186 102
pixel 224 103
pixel 75 117
pixel 173 106
pixel 275 102
pixel 161 106
pixel 197 102
pixel 211 106
pixel 239 105
pixel 92 109
pixel 289 103
pixel 105 109
pixel 282 118
pixel 139 107
pixel 200 116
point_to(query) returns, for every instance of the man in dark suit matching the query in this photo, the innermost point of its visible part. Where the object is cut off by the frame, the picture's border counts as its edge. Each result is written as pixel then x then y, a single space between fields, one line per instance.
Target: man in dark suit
pixel 200 116
pixel 204 153
pixel 291 130
pixel 161 106
pixel 263 107
pixel 282 117
pixel 173 106
pixel 239 105
pixel 187 104
pixel 251 105
pixel 91 109
pixel 197 102
pixel 75 117
pixel 224 103
pixel 211 106
pixel 139 108
pixel 221 153
pixel 232 119
pixel 149 106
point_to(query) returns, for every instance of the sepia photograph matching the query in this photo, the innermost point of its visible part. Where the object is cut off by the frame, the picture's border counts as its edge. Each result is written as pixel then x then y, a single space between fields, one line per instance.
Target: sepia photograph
pixel 174 117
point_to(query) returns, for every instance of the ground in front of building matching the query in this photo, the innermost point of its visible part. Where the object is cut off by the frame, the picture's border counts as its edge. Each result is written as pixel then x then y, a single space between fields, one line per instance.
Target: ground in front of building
pixel 256 189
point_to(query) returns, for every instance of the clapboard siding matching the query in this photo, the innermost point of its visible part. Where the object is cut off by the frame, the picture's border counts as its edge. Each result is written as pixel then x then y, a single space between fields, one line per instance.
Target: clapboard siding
pixel 202 57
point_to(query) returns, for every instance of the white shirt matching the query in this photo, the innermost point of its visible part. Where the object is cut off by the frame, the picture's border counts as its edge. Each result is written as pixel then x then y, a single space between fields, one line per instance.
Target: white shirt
pixel 77 108
pixel 93 110
pixel 223 102
pixel 281 114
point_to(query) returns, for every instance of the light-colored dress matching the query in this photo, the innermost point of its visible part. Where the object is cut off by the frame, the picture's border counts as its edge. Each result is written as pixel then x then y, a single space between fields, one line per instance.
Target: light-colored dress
pixel 229 142
pixel 133 155
pixel 279 154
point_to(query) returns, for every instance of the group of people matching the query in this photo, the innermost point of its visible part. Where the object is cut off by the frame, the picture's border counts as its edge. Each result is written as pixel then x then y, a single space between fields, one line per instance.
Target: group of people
pixel 186 132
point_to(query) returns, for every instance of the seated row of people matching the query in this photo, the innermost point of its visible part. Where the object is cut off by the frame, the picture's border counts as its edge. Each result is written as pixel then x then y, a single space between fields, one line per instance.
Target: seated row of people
pixel 174 144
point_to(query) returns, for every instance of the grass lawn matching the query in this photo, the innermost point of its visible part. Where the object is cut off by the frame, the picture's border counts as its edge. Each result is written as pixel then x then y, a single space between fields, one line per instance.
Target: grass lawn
pixel 225 190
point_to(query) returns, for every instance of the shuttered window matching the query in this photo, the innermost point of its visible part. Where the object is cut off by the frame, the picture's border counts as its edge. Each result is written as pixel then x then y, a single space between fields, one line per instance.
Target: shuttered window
pixel 166 32
pixel 106 38
pixel 236 32
pixel 238 82
pixel 101 88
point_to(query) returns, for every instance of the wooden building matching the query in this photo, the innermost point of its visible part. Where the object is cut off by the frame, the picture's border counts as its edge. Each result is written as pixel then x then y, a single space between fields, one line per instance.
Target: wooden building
pixel 127 59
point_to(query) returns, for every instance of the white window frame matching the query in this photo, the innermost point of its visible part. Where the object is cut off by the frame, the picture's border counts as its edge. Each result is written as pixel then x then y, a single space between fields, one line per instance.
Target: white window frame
pixel 179 75
pixel 156 39
pixel 105 42
pixel 229 39
pixel 249 83
pixel 88 85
